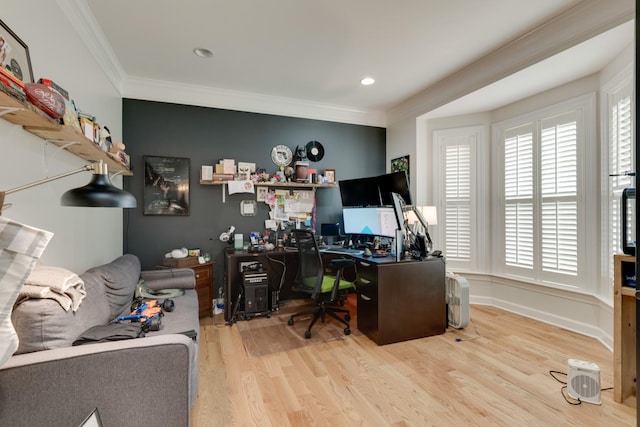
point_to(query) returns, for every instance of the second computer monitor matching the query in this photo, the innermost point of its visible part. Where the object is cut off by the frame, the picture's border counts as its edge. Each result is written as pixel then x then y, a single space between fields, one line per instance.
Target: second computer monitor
pixel 372 221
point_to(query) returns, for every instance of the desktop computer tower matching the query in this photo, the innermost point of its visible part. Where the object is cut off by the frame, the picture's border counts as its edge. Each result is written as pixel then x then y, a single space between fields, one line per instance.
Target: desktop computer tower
pixel 256 293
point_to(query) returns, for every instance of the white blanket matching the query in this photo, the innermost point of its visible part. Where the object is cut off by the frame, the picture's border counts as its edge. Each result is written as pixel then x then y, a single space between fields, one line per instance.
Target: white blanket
pixel 56 283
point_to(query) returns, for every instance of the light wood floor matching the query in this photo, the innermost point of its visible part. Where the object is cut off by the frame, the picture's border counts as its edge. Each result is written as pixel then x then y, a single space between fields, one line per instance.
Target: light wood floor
pixel 499 379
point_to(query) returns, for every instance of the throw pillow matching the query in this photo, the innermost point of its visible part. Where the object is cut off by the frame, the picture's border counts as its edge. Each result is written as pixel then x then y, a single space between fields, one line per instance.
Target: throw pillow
pixel 20 248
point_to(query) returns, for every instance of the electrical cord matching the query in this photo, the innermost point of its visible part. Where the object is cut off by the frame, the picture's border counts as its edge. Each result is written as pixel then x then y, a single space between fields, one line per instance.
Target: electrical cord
pixel 564 388
pixel 459 339
pixel 284 270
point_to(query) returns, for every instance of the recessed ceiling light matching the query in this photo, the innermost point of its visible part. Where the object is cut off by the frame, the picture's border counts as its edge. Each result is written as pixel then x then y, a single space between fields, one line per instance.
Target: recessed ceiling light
pixel 202 52
pixel 367 81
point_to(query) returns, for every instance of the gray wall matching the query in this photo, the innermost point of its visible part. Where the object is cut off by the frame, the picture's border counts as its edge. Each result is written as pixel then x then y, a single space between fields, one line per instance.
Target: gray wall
pixel 205 135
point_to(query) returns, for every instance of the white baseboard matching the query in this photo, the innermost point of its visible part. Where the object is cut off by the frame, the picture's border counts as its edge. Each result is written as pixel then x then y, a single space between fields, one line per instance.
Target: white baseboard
pixel 576 312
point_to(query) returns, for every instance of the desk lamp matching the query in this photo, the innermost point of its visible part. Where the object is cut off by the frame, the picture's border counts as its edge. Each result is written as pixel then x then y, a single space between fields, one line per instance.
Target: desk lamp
pixel 99 192
pixel 430 216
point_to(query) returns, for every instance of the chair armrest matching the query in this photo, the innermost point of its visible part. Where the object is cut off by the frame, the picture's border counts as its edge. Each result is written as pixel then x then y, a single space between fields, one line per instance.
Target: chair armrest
pixel 62 386
pixel 169 278
pixel 341 262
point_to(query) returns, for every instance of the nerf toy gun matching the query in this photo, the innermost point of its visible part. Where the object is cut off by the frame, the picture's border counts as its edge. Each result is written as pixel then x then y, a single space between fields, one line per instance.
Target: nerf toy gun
pixel 148 313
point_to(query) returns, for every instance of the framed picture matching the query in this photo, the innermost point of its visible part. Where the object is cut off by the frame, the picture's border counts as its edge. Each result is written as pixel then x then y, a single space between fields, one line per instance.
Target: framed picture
pixel 261 193
pixel 14 55
pixel 400 164
pixel 330 175
pixel 166 185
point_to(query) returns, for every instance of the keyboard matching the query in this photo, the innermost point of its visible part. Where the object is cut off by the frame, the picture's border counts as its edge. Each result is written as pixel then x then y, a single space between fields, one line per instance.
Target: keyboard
pixel 338 250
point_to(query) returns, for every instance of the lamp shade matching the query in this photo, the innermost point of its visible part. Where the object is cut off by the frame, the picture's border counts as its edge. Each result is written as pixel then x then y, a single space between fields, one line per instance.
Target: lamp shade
pixel 99 192
pixel 430 214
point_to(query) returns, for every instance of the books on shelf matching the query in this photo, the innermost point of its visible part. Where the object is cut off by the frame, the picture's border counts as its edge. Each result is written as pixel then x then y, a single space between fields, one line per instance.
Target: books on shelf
pixel 222 177
pixel 206 173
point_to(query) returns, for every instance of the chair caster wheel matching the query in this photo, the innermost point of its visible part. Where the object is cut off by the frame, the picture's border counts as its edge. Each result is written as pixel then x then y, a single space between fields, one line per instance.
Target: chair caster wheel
pixel 307 334
pixel 347 317
pixel 347 331
pixel 290 322
pixel 268 315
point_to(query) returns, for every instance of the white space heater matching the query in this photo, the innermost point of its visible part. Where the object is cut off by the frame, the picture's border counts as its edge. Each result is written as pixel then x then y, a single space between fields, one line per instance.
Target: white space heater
pixel 583 381
pixel 457 296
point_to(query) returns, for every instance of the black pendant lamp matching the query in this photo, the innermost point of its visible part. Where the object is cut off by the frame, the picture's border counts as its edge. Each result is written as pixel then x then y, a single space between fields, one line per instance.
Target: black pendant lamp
pixel 99 192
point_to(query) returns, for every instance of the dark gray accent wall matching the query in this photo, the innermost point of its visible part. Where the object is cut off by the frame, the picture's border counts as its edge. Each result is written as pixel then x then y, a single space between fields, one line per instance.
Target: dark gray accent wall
pixel 206 135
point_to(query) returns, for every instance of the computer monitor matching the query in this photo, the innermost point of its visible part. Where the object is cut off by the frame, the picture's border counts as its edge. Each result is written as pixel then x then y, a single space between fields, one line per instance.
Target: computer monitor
pixel 375 190
pixel 330 229
pixel 360 192
pixel 372 221
pixel 394 182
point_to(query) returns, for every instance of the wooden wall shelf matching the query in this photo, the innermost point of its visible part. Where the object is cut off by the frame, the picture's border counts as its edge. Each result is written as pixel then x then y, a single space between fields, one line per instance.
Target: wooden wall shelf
pixel 38 123
pixel 276 184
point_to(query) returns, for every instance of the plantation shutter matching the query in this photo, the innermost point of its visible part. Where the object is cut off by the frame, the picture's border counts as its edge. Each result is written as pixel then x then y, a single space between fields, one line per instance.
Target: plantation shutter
pixel 458 200
pixel 518 192
pixel 620 161
pixel 559 190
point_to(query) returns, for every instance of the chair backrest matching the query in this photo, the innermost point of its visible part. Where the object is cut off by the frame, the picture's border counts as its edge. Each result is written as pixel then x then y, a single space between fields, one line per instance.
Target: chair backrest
pixel 310 267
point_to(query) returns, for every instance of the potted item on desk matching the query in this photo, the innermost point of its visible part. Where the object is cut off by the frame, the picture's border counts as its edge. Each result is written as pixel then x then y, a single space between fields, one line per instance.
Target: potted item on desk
pixel 301 164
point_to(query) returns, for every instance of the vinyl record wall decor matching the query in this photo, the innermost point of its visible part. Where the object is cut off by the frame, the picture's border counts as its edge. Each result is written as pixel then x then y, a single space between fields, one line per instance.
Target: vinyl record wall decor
pixel 315 151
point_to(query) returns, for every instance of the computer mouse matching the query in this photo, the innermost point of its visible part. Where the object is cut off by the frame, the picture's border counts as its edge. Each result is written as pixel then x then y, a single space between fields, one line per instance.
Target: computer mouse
pixel 367 252
pixel 437 253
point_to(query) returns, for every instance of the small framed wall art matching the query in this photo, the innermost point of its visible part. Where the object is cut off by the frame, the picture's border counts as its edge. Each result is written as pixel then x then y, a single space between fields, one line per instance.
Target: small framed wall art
pixel 400 164
pixel 166 185
pixel 330 176
pixel 14 56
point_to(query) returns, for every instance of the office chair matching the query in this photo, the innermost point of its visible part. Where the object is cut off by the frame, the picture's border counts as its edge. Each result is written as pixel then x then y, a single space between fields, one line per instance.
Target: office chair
pixel 324 288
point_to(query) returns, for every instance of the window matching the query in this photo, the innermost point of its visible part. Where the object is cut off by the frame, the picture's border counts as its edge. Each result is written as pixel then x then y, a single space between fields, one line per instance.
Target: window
pixel 458 198
pixel 619 150
pixel 456 151
pixel 518 192
pixel 542 211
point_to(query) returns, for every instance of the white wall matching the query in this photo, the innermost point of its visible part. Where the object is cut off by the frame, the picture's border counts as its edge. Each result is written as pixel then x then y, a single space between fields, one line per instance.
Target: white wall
pixel 84 237
pixel 588 314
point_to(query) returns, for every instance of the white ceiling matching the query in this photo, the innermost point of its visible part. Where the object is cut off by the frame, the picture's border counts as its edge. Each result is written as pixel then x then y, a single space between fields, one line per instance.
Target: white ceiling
pixel 316 51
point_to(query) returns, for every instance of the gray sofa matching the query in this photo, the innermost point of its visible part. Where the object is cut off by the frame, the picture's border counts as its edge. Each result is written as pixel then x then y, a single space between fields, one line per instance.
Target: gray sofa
pixel 51 382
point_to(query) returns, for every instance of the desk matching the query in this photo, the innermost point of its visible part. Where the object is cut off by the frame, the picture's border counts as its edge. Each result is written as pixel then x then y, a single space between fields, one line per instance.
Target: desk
pixel 397 301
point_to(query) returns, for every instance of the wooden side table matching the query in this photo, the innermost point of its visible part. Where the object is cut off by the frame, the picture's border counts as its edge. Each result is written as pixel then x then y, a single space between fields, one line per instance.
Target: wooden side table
pixel 624 330
pixel 204 286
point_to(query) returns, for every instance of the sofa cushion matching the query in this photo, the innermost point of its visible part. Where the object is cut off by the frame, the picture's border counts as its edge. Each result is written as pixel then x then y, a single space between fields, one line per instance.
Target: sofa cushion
pixel 20 247
pixel 120 278
pixel 43 324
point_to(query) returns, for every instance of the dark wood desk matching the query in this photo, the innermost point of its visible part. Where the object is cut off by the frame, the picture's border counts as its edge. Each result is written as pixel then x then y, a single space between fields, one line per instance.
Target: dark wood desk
pixel 397 301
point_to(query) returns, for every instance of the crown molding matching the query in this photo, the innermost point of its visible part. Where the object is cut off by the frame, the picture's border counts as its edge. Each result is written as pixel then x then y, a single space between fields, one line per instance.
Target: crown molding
pixel 180 93
pixel 582 22
pixel 84 23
